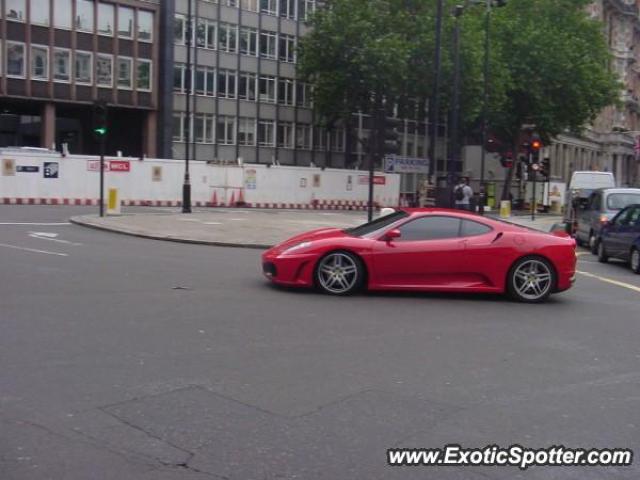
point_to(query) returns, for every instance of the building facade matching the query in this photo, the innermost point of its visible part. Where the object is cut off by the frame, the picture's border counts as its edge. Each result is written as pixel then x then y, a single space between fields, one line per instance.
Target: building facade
pixel 608 144
pixel 247 102
pixel 57 57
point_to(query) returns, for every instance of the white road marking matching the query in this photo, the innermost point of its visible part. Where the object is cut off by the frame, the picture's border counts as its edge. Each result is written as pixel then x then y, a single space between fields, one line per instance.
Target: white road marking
pixel 212 223
pixel 610 280
pixel 36 224
pixel 51 237
pixel 33 250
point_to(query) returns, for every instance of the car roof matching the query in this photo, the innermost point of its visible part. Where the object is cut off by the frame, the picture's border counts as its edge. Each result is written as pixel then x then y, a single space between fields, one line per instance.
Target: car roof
pixel 618 190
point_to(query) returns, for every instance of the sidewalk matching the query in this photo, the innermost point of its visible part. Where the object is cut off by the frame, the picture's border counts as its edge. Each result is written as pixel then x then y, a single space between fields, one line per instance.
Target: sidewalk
pixel 249 228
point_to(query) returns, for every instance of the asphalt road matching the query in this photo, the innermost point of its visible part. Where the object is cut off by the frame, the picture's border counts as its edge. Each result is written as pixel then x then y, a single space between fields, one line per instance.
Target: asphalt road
pixel 124 358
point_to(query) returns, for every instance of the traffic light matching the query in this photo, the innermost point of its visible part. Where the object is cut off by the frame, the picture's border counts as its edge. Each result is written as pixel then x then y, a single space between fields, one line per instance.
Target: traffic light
pixel 99 124
pixel 506 159
pixel 535 146
pixel 391 144
pixel 545 169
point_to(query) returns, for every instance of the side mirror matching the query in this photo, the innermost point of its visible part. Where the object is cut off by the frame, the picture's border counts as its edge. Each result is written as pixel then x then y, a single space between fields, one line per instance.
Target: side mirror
pixel 559 230
pixel 391 234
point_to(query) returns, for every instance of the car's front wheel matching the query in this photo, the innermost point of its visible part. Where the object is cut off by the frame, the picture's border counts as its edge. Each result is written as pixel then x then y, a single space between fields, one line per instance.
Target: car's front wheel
pixel 602 252
pixel 635 260
pixel 531 280
pixel 339 273
pixel 593 243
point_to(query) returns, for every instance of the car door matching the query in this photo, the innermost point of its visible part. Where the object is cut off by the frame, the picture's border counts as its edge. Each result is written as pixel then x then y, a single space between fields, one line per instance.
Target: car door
pixel 585 217
pixel 629 232
pixel 427 253
pixel 616 233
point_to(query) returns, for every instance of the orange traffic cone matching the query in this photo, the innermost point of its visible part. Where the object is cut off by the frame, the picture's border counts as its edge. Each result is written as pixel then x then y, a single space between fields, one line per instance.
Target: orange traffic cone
pixel 241 198
pixel 233 199
pixel 214 200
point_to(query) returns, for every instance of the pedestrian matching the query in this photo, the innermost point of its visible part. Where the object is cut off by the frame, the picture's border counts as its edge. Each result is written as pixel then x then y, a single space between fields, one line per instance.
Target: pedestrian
pixel 463 194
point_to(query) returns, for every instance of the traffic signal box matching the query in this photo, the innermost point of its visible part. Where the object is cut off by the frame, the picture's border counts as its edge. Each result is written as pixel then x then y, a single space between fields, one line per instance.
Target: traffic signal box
pixel 99 124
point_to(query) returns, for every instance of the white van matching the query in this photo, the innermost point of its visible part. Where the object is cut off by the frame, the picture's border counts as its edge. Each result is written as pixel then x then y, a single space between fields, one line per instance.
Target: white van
pixel 591 180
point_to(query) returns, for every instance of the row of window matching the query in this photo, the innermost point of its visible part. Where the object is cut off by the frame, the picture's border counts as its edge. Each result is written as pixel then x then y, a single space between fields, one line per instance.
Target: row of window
pixel 248 86
pixel 291 9
pixel 63 65
pixel 90 16
pixel 229 130
pixel 228 37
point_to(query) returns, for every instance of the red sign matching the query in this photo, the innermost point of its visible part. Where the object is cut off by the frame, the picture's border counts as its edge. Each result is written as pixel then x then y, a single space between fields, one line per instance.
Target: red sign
pixel 377 180
pixel 120 165
pixel 94 166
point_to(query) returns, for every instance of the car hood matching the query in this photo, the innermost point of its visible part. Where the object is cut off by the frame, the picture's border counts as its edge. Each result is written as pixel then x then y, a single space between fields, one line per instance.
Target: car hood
pixel 313 235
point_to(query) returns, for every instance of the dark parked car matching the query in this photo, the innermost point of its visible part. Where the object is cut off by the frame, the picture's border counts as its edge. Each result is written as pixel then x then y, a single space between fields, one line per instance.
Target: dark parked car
pixel 601 206
pixel 620 238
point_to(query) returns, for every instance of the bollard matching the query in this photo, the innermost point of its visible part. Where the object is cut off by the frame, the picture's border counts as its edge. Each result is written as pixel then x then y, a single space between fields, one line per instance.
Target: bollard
pixel 505 209
pixel 113 202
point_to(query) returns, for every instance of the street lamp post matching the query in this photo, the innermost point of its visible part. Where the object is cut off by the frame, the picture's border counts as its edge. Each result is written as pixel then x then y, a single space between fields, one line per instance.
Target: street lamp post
pixel 455 113
pixel 434 104
pixel 186 185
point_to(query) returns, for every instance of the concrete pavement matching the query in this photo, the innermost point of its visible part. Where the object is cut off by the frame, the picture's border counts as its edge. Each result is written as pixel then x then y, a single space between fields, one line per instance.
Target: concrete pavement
pixel 250 228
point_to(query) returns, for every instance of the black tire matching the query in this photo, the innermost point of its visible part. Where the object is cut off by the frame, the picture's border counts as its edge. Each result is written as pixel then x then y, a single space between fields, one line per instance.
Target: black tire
pixel 593 243
pixel 579 241
pixel 602 252
pixel 514 280
pixel 337 279
pixel 634 260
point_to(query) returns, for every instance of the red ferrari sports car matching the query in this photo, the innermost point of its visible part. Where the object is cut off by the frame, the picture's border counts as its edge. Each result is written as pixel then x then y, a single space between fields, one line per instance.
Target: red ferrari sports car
pixel 427 250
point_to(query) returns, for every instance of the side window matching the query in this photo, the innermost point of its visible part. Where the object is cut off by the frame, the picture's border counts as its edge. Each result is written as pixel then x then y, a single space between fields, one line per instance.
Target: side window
pixel 471 228
pixel 634 217
pixel 430 228
pixel 623 218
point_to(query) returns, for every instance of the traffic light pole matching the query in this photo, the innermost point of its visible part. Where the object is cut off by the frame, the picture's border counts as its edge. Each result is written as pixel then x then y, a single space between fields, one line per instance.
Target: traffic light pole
pixel 102 150
pixel 534 174
pixel 186 185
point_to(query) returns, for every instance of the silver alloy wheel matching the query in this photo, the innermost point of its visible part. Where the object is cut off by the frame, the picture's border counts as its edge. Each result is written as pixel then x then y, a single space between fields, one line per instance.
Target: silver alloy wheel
pixel 338 273
pixel 635 260
pixel 532 279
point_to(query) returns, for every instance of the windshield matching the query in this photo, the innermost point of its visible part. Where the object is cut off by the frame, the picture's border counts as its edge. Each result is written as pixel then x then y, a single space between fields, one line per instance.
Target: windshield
pixel 617 201
pixel 377 224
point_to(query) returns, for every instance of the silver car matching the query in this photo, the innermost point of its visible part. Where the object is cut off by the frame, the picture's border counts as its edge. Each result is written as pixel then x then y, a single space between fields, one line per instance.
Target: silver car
pixel 602 206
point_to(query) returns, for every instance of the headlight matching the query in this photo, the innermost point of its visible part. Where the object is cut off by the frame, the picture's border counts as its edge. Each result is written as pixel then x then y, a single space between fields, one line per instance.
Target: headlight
pixel 297 247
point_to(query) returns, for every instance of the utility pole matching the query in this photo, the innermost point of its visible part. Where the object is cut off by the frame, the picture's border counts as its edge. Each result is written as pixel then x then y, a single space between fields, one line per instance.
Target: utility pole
pixel 455 114
pixel 100 129
pixel 186 186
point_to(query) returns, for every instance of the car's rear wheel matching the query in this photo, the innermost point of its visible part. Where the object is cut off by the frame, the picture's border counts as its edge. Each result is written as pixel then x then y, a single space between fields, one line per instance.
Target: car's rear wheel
pixel 602 252
pixel 531 280
pixel 635 260
pixel 339 273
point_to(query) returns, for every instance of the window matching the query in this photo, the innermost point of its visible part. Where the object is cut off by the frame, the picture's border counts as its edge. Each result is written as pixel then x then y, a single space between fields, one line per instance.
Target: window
pixel 143 75
pixel 62 14
pixel 16 10
pixel 41 15
pixel 285 134
pixel 227 37
pixel 104 70
pixel 145 26
pixel 61 65
pixel 265 133
pixel 307 7
pixel 249 41
pixel 178 129
pixel 226 83
pixel 470 228
pixel 106 16
pixel 337 140
pixel 246 131
pixel 251 5
pixel 125 22
pixel 320 138
pixel 269 7
pixel 84 15
pixel 268 45
pixel 205 81
pixel 203 128
pixel 303 137
pixel 179 29
pixel 288 8
pixel 179 72
pixel 267 89
pixel 247 86
pixel 124 72
pixel 15 59
pixel 39 63
pixel 378 225
pixel 287 48
pixel 84 70
pixel 285 91
pixel 430 228
pixel 617 201
pixel 206 34
pixel 303 97
pixel 225 131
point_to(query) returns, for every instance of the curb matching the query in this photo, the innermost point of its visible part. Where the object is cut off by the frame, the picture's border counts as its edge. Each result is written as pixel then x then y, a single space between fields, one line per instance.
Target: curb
pixel 84 223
